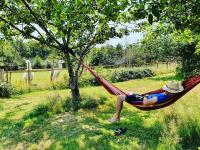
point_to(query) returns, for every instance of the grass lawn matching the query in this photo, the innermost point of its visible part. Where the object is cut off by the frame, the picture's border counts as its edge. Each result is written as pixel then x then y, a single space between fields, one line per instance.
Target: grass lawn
pixel 41 80
pixel 174 127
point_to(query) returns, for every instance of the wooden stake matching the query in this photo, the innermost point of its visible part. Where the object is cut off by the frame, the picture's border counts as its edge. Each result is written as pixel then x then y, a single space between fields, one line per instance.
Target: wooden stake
pixel 1 74
pixel 29 80
pixel 10 77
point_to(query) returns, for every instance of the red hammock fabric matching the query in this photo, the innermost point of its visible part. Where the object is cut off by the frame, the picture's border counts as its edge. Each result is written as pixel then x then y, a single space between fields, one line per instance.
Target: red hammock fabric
pixel 112 89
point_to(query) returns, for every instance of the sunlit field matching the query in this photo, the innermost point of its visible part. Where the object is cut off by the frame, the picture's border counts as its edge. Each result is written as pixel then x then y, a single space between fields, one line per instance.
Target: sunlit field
pixel 174 127
pixel 41 79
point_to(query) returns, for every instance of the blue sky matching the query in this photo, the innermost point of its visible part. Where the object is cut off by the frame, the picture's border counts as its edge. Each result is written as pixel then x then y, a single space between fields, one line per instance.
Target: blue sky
pixel 126 40
pixel 134 37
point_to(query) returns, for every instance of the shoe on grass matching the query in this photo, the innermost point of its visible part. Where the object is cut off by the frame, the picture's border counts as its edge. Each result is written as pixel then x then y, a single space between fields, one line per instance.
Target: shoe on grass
pixel 120 131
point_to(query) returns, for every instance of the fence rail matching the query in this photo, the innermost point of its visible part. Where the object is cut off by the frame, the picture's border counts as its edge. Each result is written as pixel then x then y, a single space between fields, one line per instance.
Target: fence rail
pixel 8 75
pixel 100 66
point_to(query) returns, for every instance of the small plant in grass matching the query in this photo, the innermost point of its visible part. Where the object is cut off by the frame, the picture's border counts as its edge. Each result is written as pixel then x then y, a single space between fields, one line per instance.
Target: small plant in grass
pixel 56 104
pixel 59 85
pixel 88 102
pixel 170 138
pixel 189 131
pixel 6 90
pixel 40 110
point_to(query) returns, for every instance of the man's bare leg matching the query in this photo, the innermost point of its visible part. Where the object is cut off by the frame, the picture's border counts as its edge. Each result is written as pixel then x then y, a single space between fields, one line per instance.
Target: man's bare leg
pixel 119 106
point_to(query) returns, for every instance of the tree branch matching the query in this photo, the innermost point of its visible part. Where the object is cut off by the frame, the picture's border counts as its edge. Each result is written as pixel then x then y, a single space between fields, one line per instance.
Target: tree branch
pixel 68 36
pixel 21 31
pixel 40 23
pixel 28 23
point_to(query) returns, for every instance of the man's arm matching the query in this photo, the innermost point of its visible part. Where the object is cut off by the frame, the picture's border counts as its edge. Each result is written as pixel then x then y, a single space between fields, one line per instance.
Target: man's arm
pixel 151 101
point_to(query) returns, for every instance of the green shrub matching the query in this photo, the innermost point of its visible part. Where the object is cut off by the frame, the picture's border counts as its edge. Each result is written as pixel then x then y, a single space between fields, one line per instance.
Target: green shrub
pixel 88 102
pixel 189 131
pixel 56 104
pixel 83 81
pixel 37 63
pixel 115 76
pixel 40 110
pixel 124 75
pixel 48 65
pixel 6 90
pixel 93 81
pixel 88 81
pixel 60 85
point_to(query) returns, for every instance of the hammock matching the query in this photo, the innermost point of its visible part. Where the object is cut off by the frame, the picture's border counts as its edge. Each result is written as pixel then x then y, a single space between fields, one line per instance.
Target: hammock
pixel 112 89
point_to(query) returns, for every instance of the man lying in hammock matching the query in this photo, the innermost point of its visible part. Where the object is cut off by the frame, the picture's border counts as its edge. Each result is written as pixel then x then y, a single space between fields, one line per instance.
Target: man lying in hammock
pixel 169 89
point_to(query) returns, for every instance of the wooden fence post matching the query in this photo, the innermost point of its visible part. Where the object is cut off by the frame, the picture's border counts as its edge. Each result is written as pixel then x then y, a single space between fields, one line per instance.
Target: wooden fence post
pixel 52 71
pixel 1 74
pixel 10 77
pixel 157 64
pixel 167 64
pixel 6 76
pixel 29 79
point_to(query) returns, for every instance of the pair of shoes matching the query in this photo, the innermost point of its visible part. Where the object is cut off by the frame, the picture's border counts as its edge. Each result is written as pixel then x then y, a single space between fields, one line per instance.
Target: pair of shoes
pixel 120 131
pixel 113 120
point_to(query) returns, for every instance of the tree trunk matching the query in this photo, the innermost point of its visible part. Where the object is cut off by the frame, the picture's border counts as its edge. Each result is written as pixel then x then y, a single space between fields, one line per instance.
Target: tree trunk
pixel 73 83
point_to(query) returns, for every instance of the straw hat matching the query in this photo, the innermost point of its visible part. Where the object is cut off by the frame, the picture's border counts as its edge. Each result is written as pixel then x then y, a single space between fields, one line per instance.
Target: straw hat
pixel 173 87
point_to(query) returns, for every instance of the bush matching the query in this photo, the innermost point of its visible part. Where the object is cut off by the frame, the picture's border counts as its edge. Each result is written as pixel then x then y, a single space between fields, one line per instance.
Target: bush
pixel 40 110
pixel 60 85
pixel 48 65
pixel 88 102
pixel 37 63
pixel 93 81
pixel 56 104
pixel 115 76
pixel 6 90
pixel 119 76
pixel 87 81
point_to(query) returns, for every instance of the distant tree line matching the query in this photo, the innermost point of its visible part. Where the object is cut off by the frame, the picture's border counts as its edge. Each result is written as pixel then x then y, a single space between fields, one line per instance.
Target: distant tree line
pixel 149 50
pixel 14 53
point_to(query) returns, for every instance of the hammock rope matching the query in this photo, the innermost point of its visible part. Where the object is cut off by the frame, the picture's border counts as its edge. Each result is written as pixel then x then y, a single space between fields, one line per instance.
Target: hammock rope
pixel 188 85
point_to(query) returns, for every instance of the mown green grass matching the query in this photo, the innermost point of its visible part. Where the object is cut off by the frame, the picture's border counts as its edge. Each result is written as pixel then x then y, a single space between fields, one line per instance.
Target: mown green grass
pixel 174 127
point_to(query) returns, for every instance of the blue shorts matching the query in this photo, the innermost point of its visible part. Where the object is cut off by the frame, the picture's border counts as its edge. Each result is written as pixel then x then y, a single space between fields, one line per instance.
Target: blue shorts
pixel 134 98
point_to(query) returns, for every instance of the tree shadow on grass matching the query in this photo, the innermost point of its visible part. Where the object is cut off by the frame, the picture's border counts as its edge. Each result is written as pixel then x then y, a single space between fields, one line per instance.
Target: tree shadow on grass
pixel 89 133
pixel 137 135
pixel 83 130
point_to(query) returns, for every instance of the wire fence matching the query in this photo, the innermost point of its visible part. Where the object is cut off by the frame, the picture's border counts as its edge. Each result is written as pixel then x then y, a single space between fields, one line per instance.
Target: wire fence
pixel 12 76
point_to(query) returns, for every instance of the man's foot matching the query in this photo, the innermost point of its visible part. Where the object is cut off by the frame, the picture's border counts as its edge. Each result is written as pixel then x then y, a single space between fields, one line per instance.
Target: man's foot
pixel 113 120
